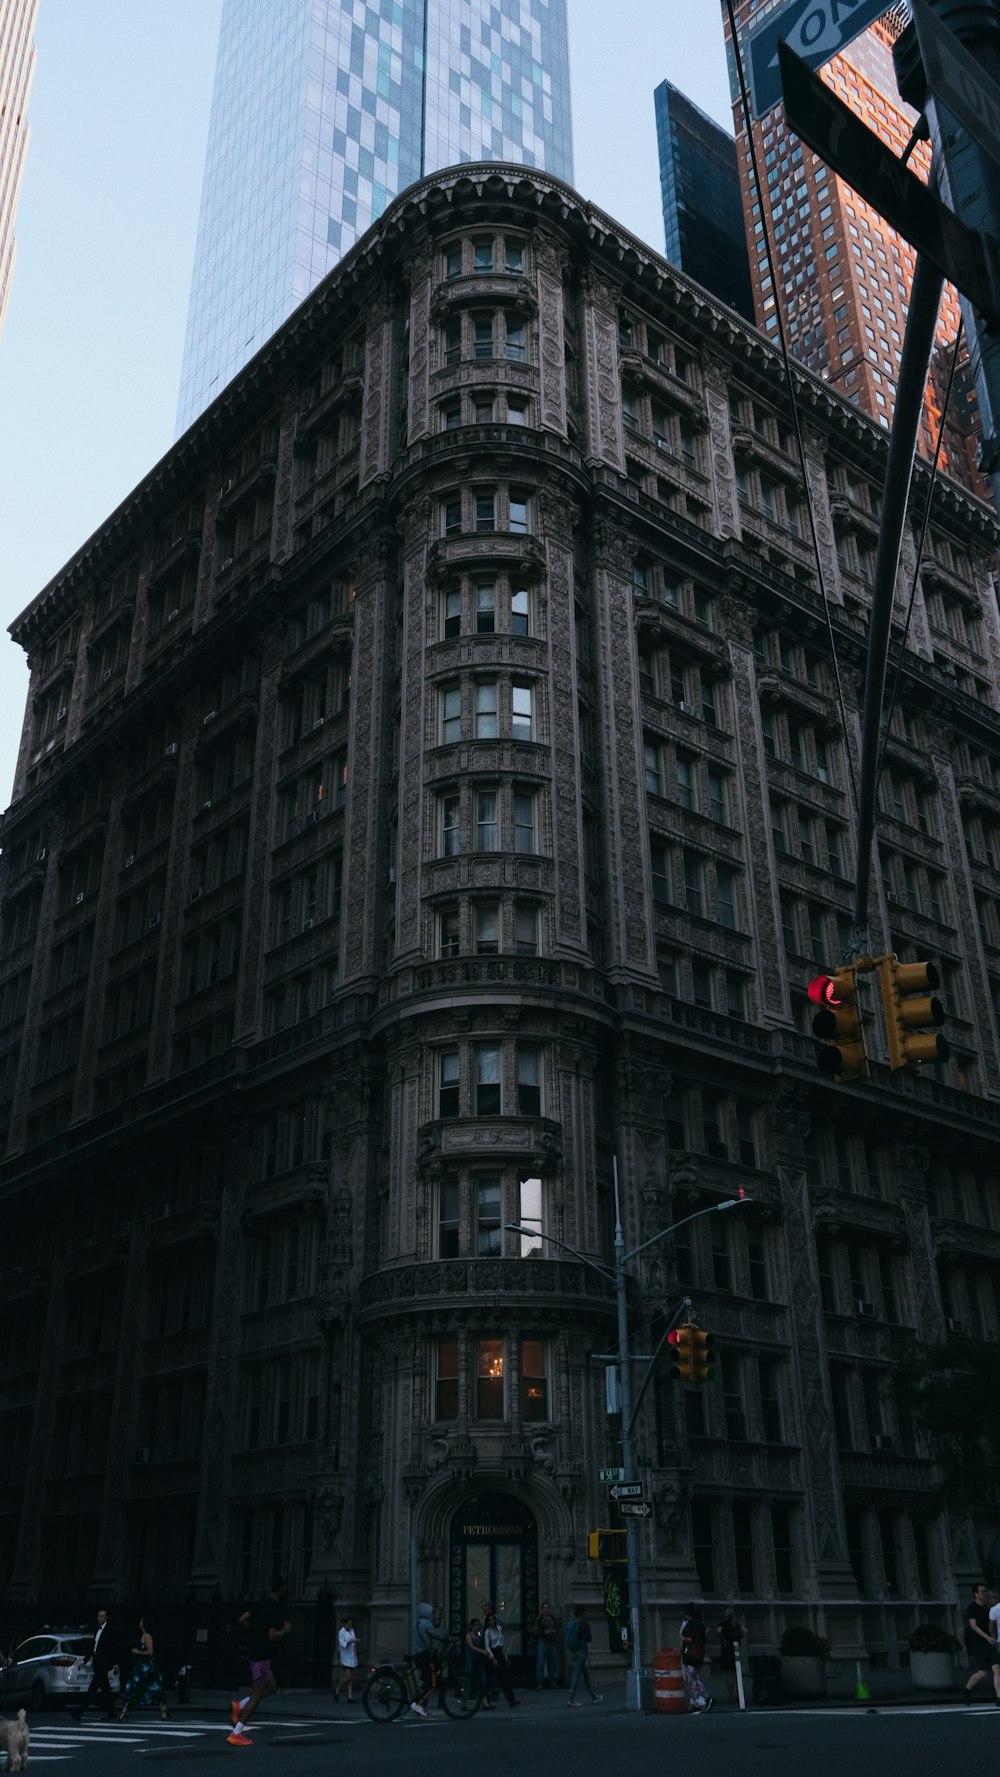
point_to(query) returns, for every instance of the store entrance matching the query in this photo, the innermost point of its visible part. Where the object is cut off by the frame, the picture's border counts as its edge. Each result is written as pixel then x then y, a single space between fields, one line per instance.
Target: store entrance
pixel 494 1559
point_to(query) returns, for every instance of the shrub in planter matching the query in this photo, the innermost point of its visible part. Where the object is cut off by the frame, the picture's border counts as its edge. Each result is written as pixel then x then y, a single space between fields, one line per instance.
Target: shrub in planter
pixel 932 1657
pixel 803 1661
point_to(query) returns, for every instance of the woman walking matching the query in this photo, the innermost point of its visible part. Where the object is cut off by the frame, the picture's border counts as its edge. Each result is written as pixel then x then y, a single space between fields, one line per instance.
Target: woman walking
pixel 478 1663
pixel 731 1633
pixel 348 1643
pixel 143 1688
pixel 493 1642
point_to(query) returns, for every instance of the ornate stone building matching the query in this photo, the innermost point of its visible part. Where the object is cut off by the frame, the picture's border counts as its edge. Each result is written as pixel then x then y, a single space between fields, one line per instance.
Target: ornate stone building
pixel 434 785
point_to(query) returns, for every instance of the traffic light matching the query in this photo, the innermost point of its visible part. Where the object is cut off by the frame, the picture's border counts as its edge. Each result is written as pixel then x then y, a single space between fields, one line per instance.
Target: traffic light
pixel 840 1045
pixel 910 1007
pixel 608 1546
pixel 681 1342
pixel 704 1356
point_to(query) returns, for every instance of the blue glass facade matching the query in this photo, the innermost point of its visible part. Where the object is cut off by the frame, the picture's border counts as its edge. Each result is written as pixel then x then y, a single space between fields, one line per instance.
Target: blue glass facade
pixel 702 207
pixel 323 111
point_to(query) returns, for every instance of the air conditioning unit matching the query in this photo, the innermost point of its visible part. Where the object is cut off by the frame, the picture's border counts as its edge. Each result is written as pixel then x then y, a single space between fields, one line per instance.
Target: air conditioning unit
pixel 207 803
pixel 40 856
pixel 196 894
pixel 226 564
pixel 955 1326
pixel 106 676
pixel 881 1441
pixel 171 615
pixel 313 815
pixel 865 1308
pixel 153 920
pixel 171 747
pixel 62 713
pixel 686 709
pixel 307 925
pixel 143 1457
pixel 226 488
pixel 130 860
pixel 205 720
pixel 80 898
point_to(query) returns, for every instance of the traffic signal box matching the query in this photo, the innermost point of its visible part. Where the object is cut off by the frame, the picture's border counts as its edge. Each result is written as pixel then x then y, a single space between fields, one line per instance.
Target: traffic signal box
pixel 608 1546
pixel 704 1356
pixel 693 1354
pixel 840 1043
pixel 911 1011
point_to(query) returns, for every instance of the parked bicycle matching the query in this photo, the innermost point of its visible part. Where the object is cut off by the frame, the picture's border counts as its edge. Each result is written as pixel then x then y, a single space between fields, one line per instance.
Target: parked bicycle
pixel 391 1688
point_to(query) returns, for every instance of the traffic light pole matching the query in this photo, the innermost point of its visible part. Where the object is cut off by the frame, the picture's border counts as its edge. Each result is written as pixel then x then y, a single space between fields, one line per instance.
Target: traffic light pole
pixel 633 1683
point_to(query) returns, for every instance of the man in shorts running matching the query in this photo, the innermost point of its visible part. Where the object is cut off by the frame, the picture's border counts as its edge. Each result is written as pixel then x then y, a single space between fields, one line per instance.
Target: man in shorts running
pixel 267 1624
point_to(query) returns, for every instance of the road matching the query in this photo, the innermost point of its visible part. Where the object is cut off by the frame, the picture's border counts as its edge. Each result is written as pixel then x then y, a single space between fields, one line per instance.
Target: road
pixel 595 1741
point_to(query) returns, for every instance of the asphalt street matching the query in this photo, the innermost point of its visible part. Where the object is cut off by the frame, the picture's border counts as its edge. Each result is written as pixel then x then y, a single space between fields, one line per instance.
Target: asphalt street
pixel 599 1740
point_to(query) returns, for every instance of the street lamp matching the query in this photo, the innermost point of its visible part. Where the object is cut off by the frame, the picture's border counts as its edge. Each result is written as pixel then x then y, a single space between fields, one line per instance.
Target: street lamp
pixel 616 1277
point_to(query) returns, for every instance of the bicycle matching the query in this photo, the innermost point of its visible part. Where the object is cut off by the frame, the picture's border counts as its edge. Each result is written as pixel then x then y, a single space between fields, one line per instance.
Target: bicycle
pixel 391 1688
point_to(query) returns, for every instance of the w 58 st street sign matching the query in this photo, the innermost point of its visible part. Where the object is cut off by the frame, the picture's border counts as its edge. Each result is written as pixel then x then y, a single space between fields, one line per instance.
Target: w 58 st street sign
pixel 814 29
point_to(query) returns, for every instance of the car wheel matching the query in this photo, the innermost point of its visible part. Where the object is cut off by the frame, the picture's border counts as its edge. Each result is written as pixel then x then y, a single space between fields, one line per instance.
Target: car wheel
pixel 38 1695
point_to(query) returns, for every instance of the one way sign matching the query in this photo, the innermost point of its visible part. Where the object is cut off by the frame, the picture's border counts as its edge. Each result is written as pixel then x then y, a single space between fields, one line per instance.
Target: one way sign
pixel 814 29
pixel 625 1490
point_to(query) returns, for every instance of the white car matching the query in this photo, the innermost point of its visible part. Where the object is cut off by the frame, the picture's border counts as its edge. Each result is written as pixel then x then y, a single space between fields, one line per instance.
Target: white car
pixel 53 1666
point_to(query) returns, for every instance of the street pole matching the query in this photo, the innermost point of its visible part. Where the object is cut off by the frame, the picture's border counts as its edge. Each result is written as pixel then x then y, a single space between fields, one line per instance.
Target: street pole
pixel 633 1683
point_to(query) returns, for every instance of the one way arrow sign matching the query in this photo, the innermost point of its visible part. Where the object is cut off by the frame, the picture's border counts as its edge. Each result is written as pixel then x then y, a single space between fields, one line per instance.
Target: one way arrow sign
pixel 625 1490
pixel 814 29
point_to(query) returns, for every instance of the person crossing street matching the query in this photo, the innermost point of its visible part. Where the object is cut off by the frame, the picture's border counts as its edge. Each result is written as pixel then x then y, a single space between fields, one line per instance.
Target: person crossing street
pixel 268 1626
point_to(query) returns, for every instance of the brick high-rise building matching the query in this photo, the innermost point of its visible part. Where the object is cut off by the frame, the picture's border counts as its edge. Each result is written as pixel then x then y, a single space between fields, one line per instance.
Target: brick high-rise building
pixel 433 787
pixel 843 274
pixel 17 66
pixel 321 114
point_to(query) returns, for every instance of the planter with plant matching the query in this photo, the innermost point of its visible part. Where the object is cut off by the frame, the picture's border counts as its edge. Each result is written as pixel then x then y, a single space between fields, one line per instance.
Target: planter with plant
pixel 803 1661
pixel 932 1657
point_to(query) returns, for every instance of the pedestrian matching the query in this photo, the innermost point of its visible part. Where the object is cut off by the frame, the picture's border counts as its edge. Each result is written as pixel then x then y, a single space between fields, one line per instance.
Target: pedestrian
pixel 980 1644
pixel 348 1644
pixel 268 1626
pixel 546 1650
pixel 427 1656
pixel 577 1636
pixel 478 1662
pixel 730 1632
pixel 494 1644
pixel 102 1662
pixel 143 1689
pixel 693 1642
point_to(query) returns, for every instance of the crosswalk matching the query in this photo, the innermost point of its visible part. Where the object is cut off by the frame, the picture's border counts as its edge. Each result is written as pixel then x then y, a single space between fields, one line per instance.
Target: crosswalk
pixel 53 1741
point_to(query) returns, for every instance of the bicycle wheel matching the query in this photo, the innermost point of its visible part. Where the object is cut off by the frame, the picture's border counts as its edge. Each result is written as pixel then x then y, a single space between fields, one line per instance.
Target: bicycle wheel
pixel 384 1696
pixel 459 1697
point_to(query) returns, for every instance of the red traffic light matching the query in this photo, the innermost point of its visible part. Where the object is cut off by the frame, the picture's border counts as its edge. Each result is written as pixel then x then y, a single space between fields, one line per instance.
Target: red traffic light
pixel 674 1338
pixel 823 991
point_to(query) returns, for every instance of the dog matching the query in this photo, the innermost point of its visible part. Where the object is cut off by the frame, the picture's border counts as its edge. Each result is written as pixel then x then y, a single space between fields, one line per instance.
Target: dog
pixel 15 1737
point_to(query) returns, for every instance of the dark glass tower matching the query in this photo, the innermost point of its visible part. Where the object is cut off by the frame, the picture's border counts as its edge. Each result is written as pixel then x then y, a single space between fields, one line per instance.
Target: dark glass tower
pixel 702 209
pixel 322 113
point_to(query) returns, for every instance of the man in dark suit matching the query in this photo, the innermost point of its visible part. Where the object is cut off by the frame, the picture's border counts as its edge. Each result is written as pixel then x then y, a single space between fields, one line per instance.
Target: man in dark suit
pixel 102 1661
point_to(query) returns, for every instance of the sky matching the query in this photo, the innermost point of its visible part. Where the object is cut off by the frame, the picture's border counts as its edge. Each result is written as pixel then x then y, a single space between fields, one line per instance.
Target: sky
pixel 90 354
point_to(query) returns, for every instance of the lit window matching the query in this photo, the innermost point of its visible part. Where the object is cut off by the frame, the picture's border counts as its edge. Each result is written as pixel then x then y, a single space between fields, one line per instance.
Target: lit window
pixel 489 1379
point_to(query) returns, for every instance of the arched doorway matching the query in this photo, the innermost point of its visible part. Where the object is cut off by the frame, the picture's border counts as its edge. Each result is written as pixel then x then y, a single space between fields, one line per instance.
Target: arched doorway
pixel 494 1556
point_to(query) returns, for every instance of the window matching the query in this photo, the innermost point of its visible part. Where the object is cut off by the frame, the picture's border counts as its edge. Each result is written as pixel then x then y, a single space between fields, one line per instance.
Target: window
pixel 519 611
pixel 513 256
pixel 486 513
pixel 530 1216
pixel 489 1233
pixel 661 872
pixel 487 1081
pixel 515 343
pixel 482 254
pixel 521 719
pixel 448 1222
pixel 482 336
pixel 448 932
pixel 448 1084
pixel 692 882
pixel 486 710
pixel 716 796
pixel 489 1379
pixel 451 832
pixel 529 1091
pixel 451 516
pixel 451 714
pixel 525 930
pixel 486 608
pixel 726 885
pixel 517 410
pixel 446 1392
pixel 453 262
pixel 487 826
pixel 524 821
pixel 735 996
pixel 518 510
pixel 451 613
pixel 770 1401
pixel 685 781
pixel 487 924
pixel 453 343
pixel 534 1394
pixel 451 415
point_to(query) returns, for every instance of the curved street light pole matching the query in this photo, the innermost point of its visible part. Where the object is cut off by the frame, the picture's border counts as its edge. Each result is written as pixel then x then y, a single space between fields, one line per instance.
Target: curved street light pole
pixel 616 1277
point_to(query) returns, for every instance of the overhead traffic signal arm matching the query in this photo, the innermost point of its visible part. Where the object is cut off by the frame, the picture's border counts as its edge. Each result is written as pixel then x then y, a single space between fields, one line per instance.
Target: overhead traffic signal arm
pixel 840 1042
pixel 912 1010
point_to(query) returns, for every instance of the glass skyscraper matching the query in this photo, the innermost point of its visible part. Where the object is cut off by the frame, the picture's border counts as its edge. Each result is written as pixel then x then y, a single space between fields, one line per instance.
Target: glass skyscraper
pixel 323 111
pixel 700 192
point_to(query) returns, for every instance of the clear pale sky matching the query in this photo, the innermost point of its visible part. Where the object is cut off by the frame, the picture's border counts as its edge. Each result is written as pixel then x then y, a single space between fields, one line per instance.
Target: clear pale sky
pixel 90 355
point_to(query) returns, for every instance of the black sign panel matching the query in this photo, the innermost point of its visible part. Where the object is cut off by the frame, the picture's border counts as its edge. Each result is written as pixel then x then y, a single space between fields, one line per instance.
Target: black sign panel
pixel 833 131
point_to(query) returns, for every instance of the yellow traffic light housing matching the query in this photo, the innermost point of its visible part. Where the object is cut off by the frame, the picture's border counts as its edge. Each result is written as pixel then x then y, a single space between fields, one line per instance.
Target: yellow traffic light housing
pixel 704 1356
pixel 608 1546
pixel 840 1043
pixel 910 1006
pixel 681 1342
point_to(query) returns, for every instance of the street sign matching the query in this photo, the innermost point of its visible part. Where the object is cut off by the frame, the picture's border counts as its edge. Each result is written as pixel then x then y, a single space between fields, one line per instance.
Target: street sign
pixel 831 128
pixel 612 1474
pixel 636 1508
pixel 955 77
pixel 814 29
pixel 626 1490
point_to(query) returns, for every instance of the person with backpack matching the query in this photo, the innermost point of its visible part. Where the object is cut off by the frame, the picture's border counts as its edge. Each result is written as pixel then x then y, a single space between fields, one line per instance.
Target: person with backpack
pixel 577 1636
pixel 693 1642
